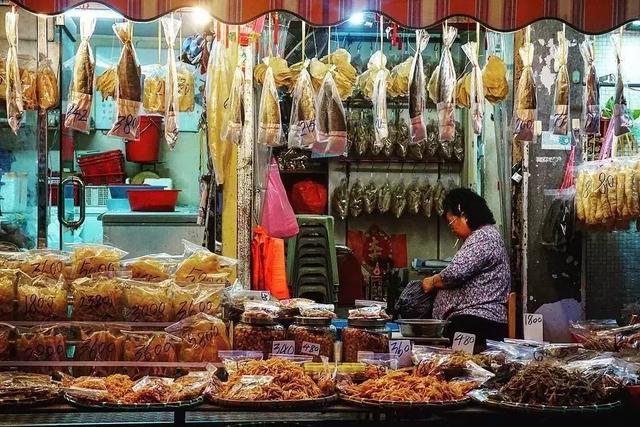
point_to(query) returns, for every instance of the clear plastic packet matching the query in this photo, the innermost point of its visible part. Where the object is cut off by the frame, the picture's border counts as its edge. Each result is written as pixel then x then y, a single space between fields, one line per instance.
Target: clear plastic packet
pixel 331 120
pixel 356 199
pixel 559 121
pixel 194 298
pixel 260 311
pixel 185 74
pixel 44 343
pixel 151 268
pixel 591 94
pixel 234 109
pixel 191 386
pixel 438 198
pixel 525 107
pixel 446 87
pixel 154 89
pixel 302 126
pixel 417 90
pixel 426 198
pixel 398 199
pixel 15 106
pixel 170 103
pixel 233 359
pixel 476 92
pixel 234 297
pixel 203 337
pixel 47 85
pixel 41 298
pixel 202 266
pixel 611 372
pixel 318 310
pixel 97 298
pixel 366 309
pixel 432 144
pixel 402 138
pixel 8 282
pixel 43 262
pixel 340 199
pixel 6 336
pixel 79 108
pixel 621 119
pixel 249 387
pixel 128 88
pixel 106 83
pixel 98 343
pixel 377 364
pixel 514 350
pixel 413 196
pixel 88 259
pixel 370 196
pixel 358 136
pixel 145 346
pixel 385 197
pixel 457 147
pixel 147 302
pixel 28 80
pixel 379 99
pixel 269 120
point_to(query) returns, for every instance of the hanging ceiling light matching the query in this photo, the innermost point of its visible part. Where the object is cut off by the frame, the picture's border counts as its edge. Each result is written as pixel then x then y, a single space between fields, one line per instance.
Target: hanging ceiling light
pixel 200 16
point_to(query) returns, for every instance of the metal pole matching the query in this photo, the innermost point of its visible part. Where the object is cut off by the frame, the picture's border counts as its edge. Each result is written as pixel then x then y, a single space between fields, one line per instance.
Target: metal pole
pixel 43 148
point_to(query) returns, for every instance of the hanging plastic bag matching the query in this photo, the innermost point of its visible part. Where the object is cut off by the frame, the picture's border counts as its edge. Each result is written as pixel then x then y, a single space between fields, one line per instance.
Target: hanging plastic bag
pixel 234 109
pixel 15 106
pixel 476 92
pixel 413 196
pixel 379 100
pixel 621 119
pixel 494 79
pixel 28 80
pixel 525 113
pixel 402 138
pixel 153 94
pixel 185 74
pixel 217 92
pixel 332 123
pixel 79 108
pixel 384 197
pixel 171 28
pixel 340 199
pixel 398 199
pixel 446 87
pixel 129 88
pixel 302 127
pixel 438 198
pixel 431 143
pixel 356 199
pixel 591 96
pixel 269 123
pixel 370 195
pixel 560 114
pixel 277 216
pixel 426 198
pixel 417 90
pixel 47 86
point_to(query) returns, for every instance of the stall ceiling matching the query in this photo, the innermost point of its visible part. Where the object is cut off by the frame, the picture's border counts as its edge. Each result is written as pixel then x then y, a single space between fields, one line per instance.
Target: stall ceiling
pixel 589 16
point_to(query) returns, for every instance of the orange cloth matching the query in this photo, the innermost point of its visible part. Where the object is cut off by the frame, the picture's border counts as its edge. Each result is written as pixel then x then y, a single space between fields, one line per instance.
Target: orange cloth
pixel 268 264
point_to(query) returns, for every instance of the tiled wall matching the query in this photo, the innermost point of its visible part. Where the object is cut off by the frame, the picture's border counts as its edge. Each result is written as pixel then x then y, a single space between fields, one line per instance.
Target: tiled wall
pixel 606 64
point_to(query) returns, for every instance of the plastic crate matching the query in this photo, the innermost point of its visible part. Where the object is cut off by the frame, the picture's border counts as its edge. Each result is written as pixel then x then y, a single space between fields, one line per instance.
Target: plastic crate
pixel 104 179
pixel 96 196
pixel 110 162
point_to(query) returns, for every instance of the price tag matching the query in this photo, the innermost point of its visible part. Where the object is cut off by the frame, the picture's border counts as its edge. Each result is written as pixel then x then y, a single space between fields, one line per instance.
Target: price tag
pixel 533 327
pixel 310 348
pixel 287 348
pixel 463 342
pixel 402 350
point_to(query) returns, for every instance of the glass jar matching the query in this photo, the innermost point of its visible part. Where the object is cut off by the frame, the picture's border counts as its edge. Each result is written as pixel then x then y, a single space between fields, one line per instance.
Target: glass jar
pixel 257 336
pixel 313 336
pixel 370 335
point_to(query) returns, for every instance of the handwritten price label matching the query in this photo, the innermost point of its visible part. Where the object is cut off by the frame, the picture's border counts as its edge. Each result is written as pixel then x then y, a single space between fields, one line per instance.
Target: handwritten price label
pixel 402 350
pixel 77 116
pixel 127 120
pixel 310 348
pixel 533 327
pixel 283 348
pixel 463 342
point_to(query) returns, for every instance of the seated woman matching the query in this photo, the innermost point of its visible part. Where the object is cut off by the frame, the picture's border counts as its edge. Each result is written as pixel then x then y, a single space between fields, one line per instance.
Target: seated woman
pixel 472 291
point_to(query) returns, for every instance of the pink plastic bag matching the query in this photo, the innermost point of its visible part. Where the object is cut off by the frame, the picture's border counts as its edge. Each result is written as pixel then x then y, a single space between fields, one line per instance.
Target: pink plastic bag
pixel 277 215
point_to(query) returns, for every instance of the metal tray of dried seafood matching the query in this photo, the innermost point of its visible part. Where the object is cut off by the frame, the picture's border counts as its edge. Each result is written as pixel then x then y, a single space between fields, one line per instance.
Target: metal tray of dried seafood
pixel 398 404
pixel 275 404
pixel 86 403
pixel 495 403
pixel 27 401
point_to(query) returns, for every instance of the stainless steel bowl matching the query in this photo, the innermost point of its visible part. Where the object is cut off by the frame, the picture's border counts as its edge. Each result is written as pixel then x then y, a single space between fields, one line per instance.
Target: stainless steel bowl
pixel 422 328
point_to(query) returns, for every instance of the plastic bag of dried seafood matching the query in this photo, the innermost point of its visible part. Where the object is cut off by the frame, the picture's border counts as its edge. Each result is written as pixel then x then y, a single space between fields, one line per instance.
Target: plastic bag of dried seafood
pixel 446 87
pixel 591 94
pixel 340 199
pixel 413 196
pixel 559 121
pixel 269 120
pixel 302 126
pixel 426 198
pixel 525 105
pixel 79 109
pixel 356 199
pixel 331 119
pixel 14 93
pixel 385 196
pixel 370 195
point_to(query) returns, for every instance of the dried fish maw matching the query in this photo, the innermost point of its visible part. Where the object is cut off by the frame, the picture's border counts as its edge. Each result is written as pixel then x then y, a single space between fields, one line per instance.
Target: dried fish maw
pixel 8 280
pixel 47 86
pixel 269 124
pixel 106 85
pixel 399 80
pixel 41 298
pixel 494 79
pixel 186 88
pixel 97 299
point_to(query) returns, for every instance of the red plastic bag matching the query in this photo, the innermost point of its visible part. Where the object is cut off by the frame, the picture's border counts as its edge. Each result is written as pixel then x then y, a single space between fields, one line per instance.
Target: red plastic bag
pixel 277 216
pixel 309 197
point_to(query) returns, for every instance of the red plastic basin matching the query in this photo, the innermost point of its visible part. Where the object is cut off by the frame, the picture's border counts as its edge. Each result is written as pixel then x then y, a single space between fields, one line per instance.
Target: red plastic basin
pixel 153 200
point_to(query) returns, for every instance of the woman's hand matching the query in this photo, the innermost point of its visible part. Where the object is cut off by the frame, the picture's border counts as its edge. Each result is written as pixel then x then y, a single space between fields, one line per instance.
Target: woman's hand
pixel 428 285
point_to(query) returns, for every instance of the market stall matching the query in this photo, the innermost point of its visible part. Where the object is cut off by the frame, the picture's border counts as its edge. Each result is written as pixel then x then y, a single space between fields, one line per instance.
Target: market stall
pixel 267 181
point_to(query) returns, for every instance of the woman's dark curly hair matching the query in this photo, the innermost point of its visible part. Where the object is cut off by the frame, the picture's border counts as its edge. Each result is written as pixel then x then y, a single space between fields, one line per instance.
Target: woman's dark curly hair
pixel 462 201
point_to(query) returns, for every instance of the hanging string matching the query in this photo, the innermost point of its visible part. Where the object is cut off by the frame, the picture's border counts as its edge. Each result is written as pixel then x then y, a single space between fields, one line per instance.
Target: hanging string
pixel 381 37
pixel 527 35
pixel 160 40
pixel 329 47
pixel 477 40
pixel 304 36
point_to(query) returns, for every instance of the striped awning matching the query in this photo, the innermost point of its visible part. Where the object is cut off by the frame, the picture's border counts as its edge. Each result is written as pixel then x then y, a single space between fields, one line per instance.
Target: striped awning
pixel 589 16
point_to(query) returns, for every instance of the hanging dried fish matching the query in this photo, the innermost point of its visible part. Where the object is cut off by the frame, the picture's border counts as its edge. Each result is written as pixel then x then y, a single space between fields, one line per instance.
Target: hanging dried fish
pixel 379 100
pixel 384 197
pixel 446 87
pixel 591 96
pixel 78 115
pixel 525 113
pixel 269 123
pixel 340 199
pixel 416 90
pixel 438 198
pixel 356 199
pixel 414 195
pixel 129 87
pixel 171 27
pixel 560 113
pixel 331 119
pixel 476 90
pixel 398 199
pixel 426 198
pixel 402 138
pixel 234 111
pixel 621 120
pixel 370 194
pixel 302 127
